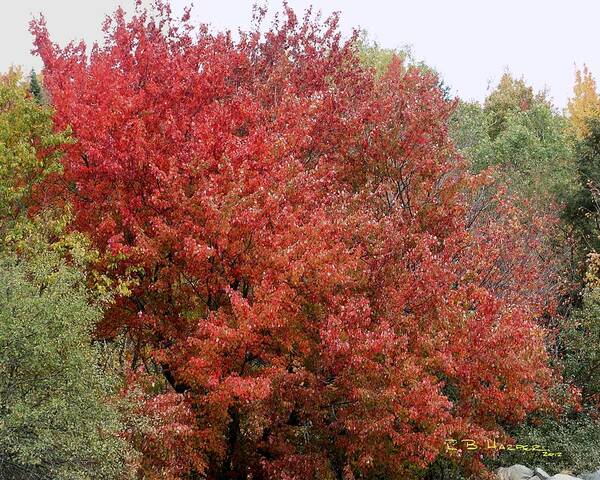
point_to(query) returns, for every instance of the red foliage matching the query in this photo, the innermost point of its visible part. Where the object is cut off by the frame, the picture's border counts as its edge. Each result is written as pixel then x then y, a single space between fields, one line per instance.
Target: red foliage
pixel 163 430
pixel 309 280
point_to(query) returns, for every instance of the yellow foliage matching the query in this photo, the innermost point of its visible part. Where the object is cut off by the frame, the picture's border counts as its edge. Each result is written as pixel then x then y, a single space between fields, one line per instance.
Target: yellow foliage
pixel 585 104
pixel 592 274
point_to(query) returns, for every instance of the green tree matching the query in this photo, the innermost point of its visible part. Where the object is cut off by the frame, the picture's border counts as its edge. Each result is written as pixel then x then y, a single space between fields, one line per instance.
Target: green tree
pixel 469 131
pixel 583 208
pixel 35 88
pixel 535 154
pixel 580 339
pixel 519 134
pixel 55 421
pixel 378 57
pixel 509 97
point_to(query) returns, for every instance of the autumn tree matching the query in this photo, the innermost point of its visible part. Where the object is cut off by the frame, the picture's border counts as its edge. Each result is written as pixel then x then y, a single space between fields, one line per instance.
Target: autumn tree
pixel 308 277
pixel 28 148
pixel 585 104
pixel 510 96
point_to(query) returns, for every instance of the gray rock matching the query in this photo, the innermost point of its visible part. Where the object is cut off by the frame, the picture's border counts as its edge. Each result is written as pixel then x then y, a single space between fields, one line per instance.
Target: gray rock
pixel 591 476
pixel 516 472
pixel 541 474
pixel 563 476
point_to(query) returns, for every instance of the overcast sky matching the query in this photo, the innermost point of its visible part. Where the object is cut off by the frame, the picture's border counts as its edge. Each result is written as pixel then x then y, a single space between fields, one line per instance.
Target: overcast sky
pixel 470 42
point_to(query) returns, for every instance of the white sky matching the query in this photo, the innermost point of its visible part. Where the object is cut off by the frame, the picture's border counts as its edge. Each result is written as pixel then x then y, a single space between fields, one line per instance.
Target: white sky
pixel 470 42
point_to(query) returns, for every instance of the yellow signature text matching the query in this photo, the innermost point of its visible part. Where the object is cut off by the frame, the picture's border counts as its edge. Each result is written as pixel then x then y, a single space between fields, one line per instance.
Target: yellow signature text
pixel 469 445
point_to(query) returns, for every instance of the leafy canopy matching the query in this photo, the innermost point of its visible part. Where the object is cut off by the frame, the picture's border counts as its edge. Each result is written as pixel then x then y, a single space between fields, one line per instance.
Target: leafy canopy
pixel 519 135
pixel 585 104
pixel 307 274
pixel 28 146
pixel 53 420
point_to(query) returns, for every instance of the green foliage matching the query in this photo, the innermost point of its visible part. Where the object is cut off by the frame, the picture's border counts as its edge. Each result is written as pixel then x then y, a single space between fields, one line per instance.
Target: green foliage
pixel 582 210
pixel 446 469
pixel 373 55
pixel 576 437
pixel 28 146
pixel 469 131
pixel 35 88
pixel 520 135
pixel 535 153
pixel 54 417
pixel 509 97
pixel 580 341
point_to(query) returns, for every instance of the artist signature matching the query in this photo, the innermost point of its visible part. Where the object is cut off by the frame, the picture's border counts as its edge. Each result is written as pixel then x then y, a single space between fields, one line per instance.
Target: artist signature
pixel 456 447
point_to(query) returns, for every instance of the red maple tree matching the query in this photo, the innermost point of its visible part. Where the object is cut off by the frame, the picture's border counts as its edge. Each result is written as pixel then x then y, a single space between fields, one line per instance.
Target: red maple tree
pixel 309 277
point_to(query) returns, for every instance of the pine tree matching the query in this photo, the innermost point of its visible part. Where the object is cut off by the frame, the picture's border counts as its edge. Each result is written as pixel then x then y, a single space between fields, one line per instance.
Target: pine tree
pixel 35 88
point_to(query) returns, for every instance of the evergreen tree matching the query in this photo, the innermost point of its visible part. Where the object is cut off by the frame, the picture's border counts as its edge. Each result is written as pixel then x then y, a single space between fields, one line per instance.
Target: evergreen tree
pixel 583 209
pixel 35 88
